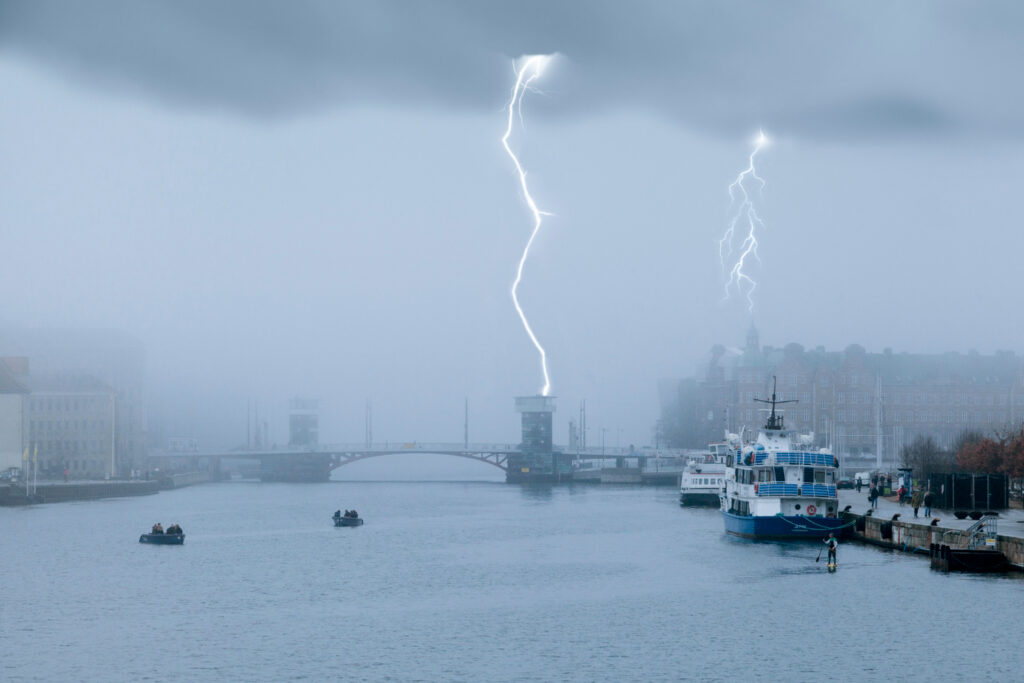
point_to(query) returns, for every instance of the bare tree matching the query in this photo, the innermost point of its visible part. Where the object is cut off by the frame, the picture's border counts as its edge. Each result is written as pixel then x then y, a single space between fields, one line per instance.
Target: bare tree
pixel 925 457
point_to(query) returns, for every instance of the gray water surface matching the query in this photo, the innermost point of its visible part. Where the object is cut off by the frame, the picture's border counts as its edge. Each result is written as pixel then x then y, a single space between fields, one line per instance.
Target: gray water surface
pixel 471 581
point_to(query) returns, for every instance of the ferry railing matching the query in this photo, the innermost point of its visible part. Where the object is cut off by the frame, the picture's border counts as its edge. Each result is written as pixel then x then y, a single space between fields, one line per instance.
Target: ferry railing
pixel 779 488
pixel 797 458
pixel 820 490
pixel 776 489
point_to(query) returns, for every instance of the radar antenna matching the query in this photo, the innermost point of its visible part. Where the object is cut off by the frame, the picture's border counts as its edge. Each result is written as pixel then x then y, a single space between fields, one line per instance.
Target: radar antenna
pixel 774 421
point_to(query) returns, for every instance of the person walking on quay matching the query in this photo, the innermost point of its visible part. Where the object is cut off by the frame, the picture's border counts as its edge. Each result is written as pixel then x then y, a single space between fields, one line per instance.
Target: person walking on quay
pixel 928 498
pixel 873 496
pixel 858 484
pixel 915 501
pixel 900 495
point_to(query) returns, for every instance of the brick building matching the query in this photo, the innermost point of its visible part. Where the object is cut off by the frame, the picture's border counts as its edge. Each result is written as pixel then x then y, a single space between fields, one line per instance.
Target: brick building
pixel 857 402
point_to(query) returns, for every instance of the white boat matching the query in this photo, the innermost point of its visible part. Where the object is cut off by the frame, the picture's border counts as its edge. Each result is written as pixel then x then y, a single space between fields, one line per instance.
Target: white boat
pixel 702 481
pixel 774 488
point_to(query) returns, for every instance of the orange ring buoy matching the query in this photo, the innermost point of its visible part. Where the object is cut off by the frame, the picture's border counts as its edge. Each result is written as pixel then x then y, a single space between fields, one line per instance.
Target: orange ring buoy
pixel 811 509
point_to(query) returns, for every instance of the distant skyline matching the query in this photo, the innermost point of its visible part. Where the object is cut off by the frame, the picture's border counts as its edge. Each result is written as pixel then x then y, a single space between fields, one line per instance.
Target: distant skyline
pixel 314 201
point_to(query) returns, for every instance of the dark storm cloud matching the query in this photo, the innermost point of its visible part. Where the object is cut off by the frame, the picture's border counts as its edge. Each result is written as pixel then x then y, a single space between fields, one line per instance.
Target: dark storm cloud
pixel 801 67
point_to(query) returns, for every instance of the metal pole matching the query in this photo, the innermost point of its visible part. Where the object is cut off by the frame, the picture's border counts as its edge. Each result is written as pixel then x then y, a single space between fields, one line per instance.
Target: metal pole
pixel 113 433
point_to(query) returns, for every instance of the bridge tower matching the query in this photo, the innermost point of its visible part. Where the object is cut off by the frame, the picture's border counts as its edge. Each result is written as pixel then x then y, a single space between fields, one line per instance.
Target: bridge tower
pixel 304 434
pixel 303 422
pixel 537 459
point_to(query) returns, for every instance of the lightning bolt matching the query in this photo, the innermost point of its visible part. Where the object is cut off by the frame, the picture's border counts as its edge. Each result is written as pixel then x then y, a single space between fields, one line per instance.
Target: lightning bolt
pixel 531 69
pixel 740 197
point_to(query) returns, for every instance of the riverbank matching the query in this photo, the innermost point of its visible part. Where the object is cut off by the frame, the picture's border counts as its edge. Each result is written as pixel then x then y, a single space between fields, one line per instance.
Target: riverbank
pixel 62 492
pixel 916 535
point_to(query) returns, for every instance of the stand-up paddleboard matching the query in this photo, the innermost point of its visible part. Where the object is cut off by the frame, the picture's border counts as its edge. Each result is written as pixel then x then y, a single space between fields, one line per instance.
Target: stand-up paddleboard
pixel 831 566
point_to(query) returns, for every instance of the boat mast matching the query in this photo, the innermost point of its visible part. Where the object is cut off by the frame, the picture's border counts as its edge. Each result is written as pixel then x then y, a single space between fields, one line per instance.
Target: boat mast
pixel 774 421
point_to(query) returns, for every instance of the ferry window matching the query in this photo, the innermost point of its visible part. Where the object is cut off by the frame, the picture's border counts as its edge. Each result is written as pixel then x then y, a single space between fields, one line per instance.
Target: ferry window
pixel 780 474
pixel 819 476
pixel 764 475
pixel 808 474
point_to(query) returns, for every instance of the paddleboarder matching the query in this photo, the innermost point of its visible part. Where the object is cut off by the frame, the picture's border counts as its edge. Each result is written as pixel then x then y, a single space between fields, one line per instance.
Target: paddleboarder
pixel 832 544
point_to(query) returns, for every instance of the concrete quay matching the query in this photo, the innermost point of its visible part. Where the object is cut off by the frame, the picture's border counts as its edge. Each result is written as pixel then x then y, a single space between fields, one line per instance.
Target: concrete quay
pixel 59 492
pixel 915 535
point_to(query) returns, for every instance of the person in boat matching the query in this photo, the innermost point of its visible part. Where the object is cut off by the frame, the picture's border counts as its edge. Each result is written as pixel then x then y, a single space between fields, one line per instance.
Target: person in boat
pixel 355 514
pixel 337 514
pixel 832 544
pixel 174 529
pixel 158 528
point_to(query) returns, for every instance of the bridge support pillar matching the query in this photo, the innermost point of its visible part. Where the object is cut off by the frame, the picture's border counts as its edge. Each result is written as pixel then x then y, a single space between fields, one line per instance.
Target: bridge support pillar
pixel 308 467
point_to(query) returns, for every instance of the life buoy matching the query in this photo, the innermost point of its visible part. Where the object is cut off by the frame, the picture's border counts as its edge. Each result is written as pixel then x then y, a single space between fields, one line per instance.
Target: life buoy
pixel 755 487
pixel 811 509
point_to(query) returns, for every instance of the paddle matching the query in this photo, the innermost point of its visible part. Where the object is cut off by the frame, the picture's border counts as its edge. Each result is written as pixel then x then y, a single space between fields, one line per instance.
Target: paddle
pixel 819 555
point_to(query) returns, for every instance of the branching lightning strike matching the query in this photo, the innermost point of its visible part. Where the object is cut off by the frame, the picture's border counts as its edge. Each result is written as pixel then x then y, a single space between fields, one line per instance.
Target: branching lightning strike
pixel 531 69
pixel 742 199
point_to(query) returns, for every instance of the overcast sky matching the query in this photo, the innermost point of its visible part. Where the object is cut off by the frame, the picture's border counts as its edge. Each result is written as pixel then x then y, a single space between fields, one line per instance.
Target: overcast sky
pixel 311 198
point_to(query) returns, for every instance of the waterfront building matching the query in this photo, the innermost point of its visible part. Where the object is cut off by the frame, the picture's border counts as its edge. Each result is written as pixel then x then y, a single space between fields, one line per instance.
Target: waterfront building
pixel 858 402
pixel 114 359
pixel 71 422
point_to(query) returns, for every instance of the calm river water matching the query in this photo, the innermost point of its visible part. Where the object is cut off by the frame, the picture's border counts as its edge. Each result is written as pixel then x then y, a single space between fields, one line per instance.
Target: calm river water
pixel 471 581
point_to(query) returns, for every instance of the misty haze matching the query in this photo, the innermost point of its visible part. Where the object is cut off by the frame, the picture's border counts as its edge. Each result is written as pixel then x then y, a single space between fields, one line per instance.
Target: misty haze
pixel 464 341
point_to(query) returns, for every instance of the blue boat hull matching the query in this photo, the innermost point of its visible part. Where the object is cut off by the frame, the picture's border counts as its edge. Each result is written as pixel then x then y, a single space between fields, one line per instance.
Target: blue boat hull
pixel 778 526
pixel 348 521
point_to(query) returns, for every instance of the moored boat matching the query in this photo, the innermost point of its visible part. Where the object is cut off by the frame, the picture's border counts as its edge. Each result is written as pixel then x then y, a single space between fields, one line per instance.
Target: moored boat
pixel 776 489
pixel 702 481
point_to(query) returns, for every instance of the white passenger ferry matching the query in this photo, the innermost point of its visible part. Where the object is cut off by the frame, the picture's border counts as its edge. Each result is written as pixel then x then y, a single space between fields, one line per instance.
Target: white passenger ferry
pixel 775 490
pixel 703 480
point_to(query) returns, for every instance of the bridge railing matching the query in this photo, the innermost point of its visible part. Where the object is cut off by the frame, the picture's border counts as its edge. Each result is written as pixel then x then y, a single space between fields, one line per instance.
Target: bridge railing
pixel 383 447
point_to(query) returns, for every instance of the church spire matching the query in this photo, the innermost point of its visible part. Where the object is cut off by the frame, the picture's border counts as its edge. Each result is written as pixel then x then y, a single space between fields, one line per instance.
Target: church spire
pixel 753 340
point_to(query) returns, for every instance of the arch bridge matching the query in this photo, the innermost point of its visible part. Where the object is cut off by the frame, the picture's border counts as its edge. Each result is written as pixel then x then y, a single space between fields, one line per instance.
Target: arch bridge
pixel 315 463
pixel 492 454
